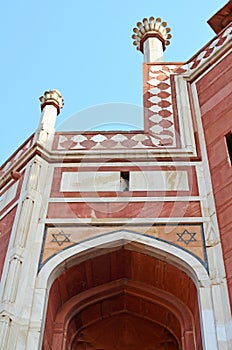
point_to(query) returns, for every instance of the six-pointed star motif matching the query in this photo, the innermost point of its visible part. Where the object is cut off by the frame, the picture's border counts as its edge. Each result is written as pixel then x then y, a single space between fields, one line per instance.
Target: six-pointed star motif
pixel 60 237
pixel 186 237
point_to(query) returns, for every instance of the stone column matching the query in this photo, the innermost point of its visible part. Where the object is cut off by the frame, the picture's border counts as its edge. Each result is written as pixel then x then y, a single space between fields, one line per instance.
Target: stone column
pixel 51 104
pixel 151 38
pixel 22 259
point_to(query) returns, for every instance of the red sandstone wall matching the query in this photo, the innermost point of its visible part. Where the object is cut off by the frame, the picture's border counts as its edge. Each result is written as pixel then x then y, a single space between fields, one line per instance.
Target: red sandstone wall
pixel 5 230
pixel 215 97
pixel 7 215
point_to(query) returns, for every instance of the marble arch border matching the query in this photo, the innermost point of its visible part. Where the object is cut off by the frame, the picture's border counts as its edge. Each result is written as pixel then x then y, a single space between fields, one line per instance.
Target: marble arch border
pixel 100 245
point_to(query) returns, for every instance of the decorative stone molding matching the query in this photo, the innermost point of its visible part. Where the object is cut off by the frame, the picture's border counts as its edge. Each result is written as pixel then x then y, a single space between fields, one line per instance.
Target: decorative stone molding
pixel 5 323
pixel 208 51
pixel 52 97
pixel 160 121
pixel 12 282
pixel 152 27
pixel 11 162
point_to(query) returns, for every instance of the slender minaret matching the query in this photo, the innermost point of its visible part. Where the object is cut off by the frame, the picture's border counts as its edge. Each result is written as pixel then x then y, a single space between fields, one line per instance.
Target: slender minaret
pixel 51 104
pixel 151 38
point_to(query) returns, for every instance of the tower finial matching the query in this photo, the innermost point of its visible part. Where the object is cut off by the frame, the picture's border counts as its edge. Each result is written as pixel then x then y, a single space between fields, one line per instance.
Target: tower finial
pixel 52 97
pixel 151 38
pixel 51 103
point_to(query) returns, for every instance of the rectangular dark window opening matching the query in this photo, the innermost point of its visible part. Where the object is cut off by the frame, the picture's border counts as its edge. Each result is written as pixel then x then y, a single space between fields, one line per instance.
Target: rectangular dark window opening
pixel 229 145
pixel 124 181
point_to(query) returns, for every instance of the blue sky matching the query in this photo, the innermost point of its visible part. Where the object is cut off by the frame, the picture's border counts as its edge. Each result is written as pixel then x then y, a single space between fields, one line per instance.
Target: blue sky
pixel 84 49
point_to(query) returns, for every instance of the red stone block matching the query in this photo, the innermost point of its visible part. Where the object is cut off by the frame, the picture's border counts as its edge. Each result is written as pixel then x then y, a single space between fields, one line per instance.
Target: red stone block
pixel 92 312
pixel 223 194
pixel 5 230
pixel 101 270
pixel 217 153
pixel 118 303
pixel 226 240
pixel 117 264
pixel 224 217
pixel 132 303
pixel 124 210
pixel 213 81
pixel 219 119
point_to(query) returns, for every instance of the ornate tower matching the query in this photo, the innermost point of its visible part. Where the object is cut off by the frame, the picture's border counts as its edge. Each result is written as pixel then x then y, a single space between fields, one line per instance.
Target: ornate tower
pixel 151 38
pixel 121 240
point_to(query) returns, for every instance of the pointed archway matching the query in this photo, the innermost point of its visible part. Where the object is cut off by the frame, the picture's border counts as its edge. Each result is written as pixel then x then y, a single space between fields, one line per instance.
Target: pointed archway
pixel 122 299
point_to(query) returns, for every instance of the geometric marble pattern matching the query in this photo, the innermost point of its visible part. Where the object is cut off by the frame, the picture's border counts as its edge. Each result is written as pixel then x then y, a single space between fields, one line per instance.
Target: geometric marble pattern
pixel 161 131
pixel 161 122
pixel 211 48
pixel 161 117
pixel 104 141
pixel 161 128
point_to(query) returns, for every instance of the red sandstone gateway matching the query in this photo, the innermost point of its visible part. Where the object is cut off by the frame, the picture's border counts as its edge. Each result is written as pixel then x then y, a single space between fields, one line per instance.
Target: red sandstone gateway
pixel 122 240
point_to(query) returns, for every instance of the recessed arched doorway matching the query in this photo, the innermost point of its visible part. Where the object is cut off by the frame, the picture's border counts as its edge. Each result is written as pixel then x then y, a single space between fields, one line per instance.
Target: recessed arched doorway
pixel 122 299
pixel 124 331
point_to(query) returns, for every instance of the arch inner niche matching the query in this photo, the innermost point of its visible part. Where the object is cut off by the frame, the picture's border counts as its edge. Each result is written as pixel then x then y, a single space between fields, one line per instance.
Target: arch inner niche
pixel 122 299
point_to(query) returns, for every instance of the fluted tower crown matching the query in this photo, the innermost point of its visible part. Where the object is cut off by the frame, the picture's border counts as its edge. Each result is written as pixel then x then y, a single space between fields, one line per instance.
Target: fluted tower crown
pixel 52 97
pixel 151 38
